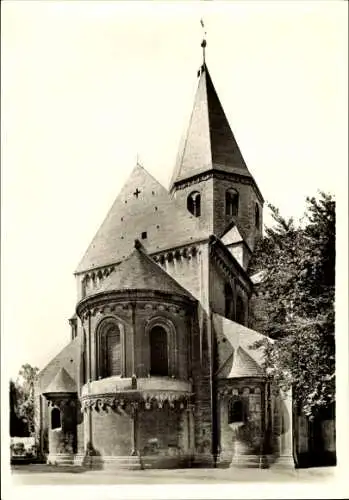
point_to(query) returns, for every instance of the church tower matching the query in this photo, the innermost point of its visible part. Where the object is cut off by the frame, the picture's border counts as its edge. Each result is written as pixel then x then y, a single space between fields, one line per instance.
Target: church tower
pixel 211 178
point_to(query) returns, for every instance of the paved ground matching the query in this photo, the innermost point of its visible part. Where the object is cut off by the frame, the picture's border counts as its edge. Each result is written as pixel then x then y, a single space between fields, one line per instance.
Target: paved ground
pixel 50 475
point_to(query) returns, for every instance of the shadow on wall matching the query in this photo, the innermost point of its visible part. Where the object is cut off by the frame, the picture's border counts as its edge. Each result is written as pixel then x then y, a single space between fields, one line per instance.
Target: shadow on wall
pixel 93 458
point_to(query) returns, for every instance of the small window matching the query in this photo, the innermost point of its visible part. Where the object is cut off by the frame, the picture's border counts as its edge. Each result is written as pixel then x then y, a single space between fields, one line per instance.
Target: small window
pixel 231 202
pixel 144 235
pixel 257 216
pixel 194 203
pixel 236 413
pixel 56 418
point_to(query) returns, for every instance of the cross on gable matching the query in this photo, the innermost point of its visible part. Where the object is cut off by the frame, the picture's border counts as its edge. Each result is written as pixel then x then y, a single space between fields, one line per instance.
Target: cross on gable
pixel 136 193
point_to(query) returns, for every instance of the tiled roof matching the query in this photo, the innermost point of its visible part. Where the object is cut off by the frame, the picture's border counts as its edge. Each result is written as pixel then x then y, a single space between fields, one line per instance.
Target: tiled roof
pixel 140 272
pixel 143 206
pixel 62 383
pixel 209 142
pixel 237 356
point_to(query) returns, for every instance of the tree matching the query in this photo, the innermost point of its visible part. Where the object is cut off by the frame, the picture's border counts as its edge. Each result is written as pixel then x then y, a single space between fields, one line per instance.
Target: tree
pixel 25 395
pixel 298 285
pixel 17 426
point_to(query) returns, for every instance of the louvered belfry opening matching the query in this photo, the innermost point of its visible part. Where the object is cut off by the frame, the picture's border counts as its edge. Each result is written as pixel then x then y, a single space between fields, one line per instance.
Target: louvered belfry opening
pixel 158 351
pixel 110 350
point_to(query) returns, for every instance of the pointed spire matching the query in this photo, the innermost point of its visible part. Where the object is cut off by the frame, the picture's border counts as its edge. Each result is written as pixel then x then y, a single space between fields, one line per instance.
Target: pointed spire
pixel 209 142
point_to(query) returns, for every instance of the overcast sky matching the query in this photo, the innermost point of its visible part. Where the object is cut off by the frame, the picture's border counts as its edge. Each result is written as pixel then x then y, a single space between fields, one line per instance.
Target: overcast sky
pixel 86 86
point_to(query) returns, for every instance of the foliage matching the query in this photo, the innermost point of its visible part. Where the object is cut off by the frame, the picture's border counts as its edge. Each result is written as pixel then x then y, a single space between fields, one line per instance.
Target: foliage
pixel 17 426
pixel 22 400
pixel 298 287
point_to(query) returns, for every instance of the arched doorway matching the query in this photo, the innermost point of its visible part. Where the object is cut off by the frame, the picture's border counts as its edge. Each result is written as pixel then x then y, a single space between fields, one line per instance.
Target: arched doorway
pixel 158 351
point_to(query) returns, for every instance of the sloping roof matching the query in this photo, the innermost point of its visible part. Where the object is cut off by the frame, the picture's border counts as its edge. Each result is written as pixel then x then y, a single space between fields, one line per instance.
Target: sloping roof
pixel 68 358
pixel 140 272
pixel 258 277
pixel 209 142
pixel 142 206
pixel 237 356
pixel 232 236
pixel 62 383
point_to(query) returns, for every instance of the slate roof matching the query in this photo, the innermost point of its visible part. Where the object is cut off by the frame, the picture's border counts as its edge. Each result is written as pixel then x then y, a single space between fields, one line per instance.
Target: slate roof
pixel 232 236
pixel 237 357
pixel 68 358
pixel 140 272
pixel 209 142
pixel 62 383
pixel 151 211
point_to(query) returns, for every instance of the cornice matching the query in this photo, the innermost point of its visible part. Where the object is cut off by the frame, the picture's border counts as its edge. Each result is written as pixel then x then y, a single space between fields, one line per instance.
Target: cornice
pixel 130 400
pixel 218 174
pixel 123 300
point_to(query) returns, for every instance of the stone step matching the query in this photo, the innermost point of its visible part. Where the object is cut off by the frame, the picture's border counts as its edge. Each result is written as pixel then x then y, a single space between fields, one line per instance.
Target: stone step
pixel 249 461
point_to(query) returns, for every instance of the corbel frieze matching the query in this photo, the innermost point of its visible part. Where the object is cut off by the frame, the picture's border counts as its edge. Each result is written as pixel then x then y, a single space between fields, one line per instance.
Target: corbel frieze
pixel 227 392
pixel 99 274
pixel 154 306
pixel 176 254
pixel 147 401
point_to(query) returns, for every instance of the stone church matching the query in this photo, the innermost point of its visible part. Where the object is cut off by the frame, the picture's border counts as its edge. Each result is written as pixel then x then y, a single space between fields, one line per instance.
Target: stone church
pixel 161 369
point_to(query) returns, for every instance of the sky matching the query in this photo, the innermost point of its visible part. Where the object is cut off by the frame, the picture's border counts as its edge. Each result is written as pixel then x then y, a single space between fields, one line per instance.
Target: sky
pixel 89 86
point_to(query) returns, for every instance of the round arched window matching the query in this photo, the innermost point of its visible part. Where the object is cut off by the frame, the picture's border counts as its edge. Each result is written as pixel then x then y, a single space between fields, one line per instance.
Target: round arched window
pixel 194 203
pixel 158 351
pixel 109 348
pixel 56 418
pixel 231 202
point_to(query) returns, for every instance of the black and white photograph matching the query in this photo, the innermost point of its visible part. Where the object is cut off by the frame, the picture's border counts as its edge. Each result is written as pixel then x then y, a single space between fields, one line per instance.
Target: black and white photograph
pixel 174 249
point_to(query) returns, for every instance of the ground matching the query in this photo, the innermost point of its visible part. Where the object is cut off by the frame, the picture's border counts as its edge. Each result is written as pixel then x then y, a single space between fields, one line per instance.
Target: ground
pixel 51 475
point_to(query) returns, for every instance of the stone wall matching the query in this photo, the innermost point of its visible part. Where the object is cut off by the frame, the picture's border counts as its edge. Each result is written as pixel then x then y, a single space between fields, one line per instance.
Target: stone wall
pixel 111 433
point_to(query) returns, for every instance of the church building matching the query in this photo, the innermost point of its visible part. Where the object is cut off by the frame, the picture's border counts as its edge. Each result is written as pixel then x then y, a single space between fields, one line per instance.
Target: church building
pixel 161 370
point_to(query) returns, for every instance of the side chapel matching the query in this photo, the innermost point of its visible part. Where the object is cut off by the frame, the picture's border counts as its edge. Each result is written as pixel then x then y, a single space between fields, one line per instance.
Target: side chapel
pixel 161 369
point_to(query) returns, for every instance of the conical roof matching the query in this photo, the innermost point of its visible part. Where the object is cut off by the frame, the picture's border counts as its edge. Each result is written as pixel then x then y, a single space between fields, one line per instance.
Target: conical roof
pixel 142 210
pixel 139 272
pixel 236 352
pixel 62 383
pixel 209 142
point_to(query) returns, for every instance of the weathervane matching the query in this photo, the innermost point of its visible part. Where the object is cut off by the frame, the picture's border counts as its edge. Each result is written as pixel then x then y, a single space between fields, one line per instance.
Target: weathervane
pixel 203 43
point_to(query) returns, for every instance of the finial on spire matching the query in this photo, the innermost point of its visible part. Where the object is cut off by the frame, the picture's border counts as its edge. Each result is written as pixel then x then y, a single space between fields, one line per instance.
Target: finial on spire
pixel 138 160
pixel 203 43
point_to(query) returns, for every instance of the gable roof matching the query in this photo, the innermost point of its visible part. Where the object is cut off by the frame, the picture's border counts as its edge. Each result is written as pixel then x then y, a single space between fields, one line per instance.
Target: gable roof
pixel 237 356
pixel 62 383
pixel 140 272
pixel 209 142
pixel 142 206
